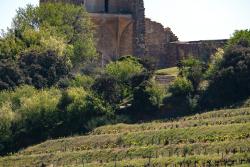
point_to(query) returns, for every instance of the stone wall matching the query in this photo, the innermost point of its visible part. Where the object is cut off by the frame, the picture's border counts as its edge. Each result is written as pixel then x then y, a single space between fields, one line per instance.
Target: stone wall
pixel 176 51
pixel 156 38
pixel 163 46
pixel 138 12
pixel 114 34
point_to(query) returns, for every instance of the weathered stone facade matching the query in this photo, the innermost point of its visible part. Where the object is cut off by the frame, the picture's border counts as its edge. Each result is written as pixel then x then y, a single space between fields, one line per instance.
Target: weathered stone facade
pixel 156 39
pixel 203 49
pixel 122 29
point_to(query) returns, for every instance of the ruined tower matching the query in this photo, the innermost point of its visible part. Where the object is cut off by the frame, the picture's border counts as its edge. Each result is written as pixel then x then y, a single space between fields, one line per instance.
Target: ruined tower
pixel 120 26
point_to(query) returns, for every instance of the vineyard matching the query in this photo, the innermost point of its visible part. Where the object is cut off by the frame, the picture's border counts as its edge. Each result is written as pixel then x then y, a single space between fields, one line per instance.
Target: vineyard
pixel 218 138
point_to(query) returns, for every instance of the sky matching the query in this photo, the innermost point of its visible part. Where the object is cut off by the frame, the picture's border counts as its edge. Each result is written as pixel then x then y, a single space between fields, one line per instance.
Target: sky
pixel 188 19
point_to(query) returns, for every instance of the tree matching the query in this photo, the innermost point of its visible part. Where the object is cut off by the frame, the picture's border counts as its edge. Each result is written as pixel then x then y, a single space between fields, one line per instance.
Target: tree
pixel 11 75
pixel 63 28
pixel 240 38
pixel 110 89
pixel 147 99
pixel 181 87
pixel 43 69
pixel 193 70
pixel 124 69
pixel 73 21
pixel 10 46
pixel 214 63
pixel 231 81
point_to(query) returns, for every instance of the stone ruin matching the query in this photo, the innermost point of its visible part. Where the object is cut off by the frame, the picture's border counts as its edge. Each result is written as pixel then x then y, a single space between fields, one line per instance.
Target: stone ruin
pixel 122 29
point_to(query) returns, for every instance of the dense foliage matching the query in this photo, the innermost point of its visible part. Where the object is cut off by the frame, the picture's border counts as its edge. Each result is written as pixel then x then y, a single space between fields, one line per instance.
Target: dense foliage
pixel 32 115
pixel 10 74
pixel 44 44
pixel 231 79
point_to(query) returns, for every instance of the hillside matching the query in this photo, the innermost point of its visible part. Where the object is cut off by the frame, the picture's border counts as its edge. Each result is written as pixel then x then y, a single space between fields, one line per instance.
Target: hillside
pixel 217 138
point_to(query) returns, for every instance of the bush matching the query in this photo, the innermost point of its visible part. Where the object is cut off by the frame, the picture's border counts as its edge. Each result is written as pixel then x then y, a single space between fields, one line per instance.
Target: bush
pixel 214 63
pixel 147 99
pixel 7 117
pixel 230 84
pixel 62 21
pixel 82 81
pixel 10 74
pixel 193 70
pixel 124 68
pixel 81 107
pixel 43 69
pixel 27 116
pixel 240 38
pixel 181 87
pixel 110 89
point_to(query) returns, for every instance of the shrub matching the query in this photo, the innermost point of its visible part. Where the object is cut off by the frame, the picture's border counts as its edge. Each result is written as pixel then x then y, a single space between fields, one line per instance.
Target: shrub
pixel 109 88
pixel 43 69
pixel 38 117
pixel 214 63
pixel 10 74
pixel 147 99
pixel 27 116
pixel 82 81
pixel 240 38
pixel 7 117
pixel 193 70
pixel 81 107
pixel 181 87
pixel 124 69
pixel 231 81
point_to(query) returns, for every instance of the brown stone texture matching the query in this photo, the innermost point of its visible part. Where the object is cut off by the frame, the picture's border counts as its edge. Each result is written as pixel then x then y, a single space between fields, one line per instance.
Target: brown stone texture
pixel 176 51
pixel 156 38
pixel 163 46
pixel 120 29
pixel 113 35
pixel 138 12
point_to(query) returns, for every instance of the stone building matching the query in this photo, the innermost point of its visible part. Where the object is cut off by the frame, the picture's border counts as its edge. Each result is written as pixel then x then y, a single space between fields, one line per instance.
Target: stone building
pixel 122 29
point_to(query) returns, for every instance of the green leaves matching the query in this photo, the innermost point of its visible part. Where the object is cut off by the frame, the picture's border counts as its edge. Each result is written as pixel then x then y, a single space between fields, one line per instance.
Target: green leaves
pixel 124 69
pixel 63 28
pixel 181 87
pixel 240 38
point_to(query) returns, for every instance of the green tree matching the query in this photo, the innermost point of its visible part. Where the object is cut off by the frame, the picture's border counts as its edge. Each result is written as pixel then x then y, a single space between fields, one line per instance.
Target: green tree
pixel 11 75
pixel 7 117
pixel 214 63
pixel 231 81
pixel 240 38
pixel 43 69
pixel 147 99
pixel 124 69
pixel 110 89
pixel 181 87
pixel 63 28
pixel 192 69
pixel 75 23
